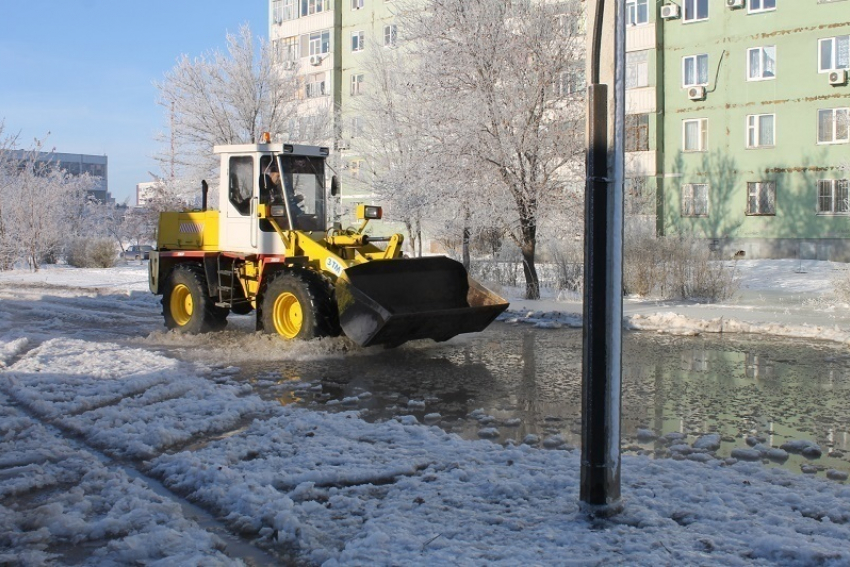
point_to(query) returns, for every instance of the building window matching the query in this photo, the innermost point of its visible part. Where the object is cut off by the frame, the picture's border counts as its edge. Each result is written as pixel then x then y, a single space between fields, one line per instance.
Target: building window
pixel 356 84
pixel 637 12
pixel 834 53
pixel 290 10
pixel 570 83
pixel 356 4
pixel 390 35
pixel 761 198
pixel 355 168
pixel 637 132
pixel 761 130
pixel 357 39
pixel 761 63
pixel 637 69
pixel 761 5
pixel 833 196
pixel 695 10
pixel 93 169
pixel 309 7
pixel 355 127
pixel 571 23
pixel 320 43
pixel 316 85
pixel 833 126
pixel 286 51
pixel 695 135
pixel 695 70
pixel 695 200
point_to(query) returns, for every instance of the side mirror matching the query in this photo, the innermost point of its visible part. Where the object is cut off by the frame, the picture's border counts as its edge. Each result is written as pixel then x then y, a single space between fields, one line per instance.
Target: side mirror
pixel 334 186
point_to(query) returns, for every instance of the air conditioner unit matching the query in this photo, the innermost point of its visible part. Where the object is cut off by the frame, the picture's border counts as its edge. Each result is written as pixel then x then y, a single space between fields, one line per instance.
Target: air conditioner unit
pixel 342 145
pixel 734 4
pixel 288 64
pixel 669 11
pixel 838 77
pixel 696 93
pixel 315 60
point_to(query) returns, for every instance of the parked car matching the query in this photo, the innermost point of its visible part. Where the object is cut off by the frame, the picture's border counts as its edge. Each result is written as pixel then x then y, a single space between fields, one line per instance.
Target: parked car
pixel 136 252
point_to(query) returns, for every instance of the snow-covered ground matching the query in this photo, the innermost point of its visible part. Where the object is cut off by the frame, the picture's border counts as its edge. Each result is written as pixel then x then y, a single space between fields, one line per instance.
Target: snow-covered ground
pixel 784 298
pixel 96 417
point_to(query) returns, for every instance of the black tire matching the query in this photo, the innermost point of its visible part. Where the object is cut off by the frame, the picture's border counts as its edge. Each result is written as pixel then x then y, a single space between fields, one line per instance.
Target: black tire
pixel 294 306
pixel 186 306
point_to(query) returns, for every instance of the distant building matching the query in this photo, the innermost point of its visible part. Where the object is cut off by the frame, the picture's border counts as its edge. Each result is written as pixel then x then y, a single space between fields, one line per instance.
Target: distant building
pixel 79 164
pixel 144 191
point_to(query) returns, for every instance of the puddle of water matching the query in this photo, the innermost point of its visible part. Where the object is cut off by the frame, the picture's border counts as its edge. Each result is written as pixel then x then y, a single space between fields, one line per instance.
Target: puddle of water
pixel 510 383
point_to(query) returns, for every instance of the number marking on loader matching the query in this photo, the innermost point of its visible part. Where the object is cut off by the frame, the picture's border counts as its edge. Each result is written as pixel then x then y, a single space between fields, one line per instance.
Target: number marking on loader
pixel 333 266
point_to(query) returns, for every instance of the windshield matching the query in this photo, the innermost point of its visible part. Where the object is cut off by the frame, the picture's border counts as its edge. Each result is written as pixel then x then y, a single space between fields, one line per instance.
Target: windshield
pixel 304 186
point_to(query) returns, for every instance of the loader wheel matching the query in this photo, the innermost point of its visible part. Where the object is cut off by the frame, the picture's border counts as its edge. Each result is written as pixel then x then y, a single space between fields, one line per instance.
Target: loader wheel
pixel 185 304
pixel 291 307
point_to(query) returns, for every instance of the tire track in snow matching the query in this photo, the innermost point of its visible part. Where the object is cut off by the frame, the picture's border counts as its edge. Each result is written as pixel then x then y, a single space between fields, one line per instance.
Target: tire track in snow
pixel 44 472
pixel 71 411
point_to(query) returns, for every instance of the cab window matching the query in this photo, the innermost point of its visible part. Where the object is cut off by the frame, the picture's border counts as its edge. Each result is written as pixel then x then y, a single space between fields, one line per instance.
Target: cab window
pixel 241 183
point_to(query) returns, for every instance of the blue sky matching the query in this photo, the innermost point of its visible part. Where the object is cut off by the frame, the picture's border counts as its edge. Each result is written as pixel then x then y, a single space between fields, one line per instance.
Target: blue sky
pixel 83 71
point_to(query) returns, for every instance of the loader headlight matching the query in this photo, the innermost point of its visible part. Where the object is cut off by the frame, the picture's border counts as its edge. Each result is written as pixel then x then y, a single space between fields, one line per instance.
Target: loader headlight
pixel 278 211
pixel 369 212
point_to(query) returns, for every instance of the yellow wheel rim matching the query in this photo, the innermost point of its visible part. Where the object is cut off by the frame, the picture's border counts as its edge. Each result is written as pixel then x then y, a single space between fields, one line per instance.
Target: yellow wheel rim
pixel 287 315
pixel 182 305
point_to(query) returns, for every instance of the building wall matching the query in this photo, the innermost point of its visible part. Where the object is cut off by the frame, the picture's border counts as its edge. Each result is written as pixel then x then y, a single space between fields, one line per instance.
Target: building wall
pixel 343 19
pixel 793 161
pixel 643 98
pixel 78 164
pixel 316 67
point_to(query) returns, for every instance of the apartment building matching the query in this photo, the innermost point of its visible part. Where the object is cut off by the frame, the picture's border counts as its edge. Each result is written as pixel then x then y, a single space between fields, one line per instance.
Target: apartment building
pixel 327 41
pixel 748 144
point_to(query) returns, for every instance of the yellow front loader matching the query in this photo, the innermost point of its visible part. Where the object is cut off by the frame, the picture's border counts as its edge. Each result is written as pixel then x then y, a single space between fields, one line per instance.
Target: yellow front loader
pixel 268 249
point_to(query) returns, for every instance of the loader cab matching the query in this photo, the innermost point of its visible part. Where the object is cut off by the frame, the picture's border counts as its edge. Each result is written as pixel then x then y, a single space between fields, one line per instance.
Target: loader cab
pixel 247 181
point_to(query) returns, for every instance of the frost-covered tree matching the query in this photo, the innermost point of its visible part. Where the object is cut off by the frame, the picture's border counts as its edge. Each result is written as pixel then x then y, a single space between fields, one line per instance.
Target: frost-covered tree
pixel 123 224
pixel 8 171
pixel 386 130
pixel 230 97
pixel 41 204
pixel 487 116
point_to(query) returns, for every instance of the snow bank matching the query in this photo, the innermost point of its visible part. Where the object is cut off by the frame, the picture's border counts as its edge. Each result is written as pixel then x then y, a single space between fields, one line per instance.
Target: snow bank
pixel 676 324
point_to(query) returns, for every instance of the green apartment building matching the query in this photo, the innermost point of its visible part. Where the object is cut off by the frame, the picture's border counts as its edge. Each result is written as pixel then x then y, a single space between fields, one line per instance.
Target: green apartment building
pixel 327 41
pixel 737 113
pixel 748 142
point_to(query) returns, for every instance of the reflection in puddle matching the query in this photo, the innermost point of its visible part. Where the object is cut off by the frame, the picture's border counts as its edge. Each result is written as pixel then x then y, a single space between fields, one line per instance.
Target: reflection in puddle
pixel 680 394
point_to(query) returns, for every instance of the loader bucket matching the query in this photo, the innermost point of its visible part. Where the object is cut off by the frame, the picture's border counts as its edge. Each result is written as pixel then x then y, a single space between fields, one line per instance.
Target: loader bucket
pixel 390 302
